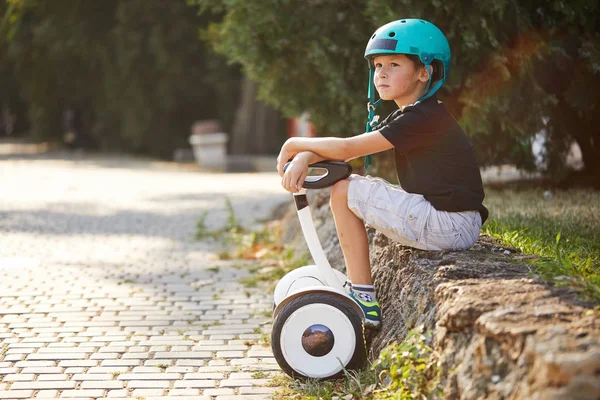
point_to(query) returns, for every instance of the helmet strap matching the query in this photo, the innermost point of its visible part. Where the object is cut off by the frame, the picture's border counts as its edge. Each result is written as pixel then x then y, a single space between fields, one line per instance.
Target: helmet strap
pixel 371 106
pixel 430 92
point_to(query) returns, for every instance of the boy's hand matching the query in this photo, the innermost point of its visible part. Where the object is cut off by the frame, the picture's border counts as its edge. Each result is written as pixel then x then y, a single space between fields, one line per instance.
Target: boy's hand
pixel 295 174
pixel 285 155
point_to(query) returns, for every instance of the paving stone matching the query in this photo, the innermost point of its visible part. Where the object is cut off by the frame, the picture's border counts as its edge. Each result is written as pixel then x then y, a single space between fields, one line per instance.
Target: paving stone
pixel 102 384
pixel 53 377
pixel 16 394
pixel 147 392
pixel 25 345
pixel 260 353
pixel 75 370
pixel 78 363
pixel 256 390
pixel 117 394
pixel 205 375
pixel 146 376
pixel 57 356
pixel 120 363
pixel 107 370
pixel 39 385
pixel 14 357
pixel 245 361
pixel 183 354
pixel 147 384
pixel 243 382
pixel 46 394
pixel 195 383
pixel 82 393
pixel 105 356
pixel 218 392
pixel 25 364
pixel 190 363
pixel 92 377
pixel 5 371
pixel 184 392
pixel 42 370
pixel 230 354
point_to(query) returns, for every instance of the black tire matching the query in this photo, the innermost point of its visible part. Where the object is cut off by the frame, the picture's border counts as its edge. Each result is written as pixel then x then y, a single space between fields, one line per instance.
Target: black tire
pixel 360 352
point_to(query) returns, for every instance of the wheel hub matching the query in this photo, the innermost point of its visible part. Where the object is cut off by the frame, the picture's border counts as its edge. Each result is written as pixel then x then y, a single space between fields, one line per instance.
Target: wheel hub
pixel 318 340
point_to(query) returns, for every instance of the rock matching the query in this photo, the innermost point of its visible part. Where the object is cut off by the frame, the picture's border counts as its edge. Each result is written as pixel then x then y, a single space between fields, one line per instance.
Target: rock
pixel 500 332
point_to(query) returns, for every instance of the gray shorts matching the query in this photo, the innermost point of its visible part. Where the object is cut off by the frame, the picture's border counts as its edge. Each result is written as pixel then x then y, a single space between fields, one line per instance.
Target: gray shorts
pixel 410 219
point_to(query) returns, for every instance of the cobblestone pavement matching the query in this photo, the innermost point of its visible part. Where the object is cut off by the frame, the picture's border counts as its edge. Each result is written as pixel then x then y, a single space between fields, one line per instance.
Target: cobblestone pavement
pixel 104 293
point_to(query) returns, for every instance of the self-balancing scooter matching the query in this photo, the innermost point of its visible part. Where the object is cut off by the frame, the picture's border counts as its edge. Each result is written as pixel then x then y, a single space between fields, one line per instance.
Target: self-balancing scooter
pixel 317 328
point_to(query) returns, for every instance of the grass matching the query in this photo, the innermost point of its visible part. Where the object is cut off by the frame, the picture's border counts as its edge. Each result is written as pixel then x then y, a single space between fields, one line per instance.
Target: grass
pixel 260 375
pixel 562 229
pixel 264 246
pixel 274 268
pixel 232 226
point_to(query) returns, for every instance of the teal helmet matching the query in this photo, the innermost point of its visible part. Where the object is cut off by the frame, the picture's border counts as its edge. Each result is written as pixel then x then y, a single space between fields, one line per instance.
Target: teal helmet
pixel 416 37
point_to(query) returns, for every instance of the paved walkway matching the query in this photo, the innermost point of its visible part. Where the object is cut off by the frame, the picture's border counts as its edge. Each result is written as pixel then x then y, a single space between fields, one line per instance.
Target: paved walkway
pixel 104 293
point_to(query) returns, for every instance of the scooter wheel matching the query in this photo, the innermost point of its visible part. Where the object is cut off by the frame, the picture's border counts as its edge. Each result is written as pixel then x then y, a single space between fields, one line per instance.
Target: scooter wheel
pixel 317 335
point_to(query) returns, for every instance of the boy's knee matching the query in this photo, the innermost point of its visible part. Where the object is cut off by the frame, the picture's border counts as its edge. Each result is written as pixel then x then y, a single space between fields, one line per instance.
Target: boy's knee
pixel 339 194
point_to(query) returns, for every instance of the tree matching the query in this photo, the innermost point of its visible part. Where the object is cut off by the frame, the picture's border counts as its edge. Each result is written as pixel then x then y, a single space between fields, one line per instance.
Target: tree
pixel 518 67
pixel 136 68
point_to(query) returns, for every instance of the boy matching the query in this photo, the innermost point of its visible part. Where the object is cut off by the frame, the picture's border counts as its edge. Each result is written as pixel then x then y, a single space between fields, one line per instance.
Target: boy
pixel 438 204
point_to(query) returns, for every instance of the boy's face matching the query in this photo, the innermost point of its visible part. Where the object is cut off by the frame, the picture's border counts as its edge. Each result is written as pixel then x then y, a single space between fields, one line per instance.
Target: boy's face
pixel 396 78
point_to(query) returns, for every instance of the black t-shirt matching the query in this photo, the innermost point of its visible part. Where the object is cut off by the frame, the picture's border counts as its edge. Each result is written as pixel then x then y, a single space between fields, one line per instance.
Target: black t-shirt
pixel 434 157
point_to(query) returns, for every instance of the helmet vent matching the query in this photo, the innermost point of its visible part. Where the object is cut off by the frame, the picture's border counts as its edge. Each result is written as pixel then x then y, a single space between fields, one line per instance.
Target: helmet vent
pixel 373 35
pixel 392 34
pixel 403 21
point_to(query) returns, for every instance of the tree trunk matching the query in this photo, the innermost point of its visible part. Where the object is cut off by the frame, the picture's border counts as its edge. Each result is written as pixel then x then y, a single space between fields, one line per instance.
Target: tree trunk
pixel 258 128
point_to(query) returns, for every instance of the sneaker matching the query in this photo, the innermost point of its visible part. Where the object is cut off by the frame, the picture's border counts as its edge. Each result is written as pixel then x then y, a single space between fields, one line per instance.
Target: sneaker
pixel 371 310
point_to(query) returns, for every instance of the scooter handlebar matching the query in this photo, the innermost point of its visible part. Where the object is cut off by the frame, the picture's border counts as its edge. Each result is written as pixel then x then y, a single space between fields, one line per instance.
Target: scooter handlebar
pixel 335 172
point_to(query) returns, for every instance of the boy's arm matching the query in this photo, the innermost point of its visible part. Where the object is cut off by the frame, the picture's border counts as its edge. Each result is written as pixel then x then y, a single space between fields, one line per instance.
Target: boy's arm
pixel 332 148
pixel 309 157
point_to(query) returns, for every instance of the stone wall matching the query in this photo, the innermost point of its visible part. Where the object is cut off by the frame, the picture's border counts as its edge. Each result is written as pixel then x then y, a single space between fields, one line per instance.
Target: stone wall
pixel 500 332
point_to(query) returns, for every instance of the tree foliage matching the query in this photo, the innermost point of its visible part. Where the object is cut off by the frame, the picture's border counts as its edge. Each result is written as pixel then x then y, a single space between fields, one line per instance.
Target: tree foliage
pixel 517 67
pixel 135 68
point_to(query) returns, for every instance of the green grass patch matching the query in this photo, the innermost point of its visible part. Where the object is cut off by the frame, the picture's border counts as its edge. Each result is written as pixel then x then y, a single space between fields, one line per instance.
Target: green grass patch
pixel 281 263
pixel 232 226
pixel 563 230
pixel 260 375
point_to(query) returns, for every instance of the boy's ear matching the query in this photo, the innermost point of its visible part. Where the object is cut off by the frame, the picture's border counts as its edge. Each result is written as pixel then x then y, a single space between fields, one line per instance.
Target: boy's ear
pixel 424 74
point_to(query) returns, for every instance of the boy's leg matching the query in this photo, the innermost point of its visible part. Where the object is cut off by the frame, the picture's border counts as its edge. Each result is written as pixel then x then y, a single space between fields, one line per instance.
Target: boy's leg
pixel 355 246
pixel 352 235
